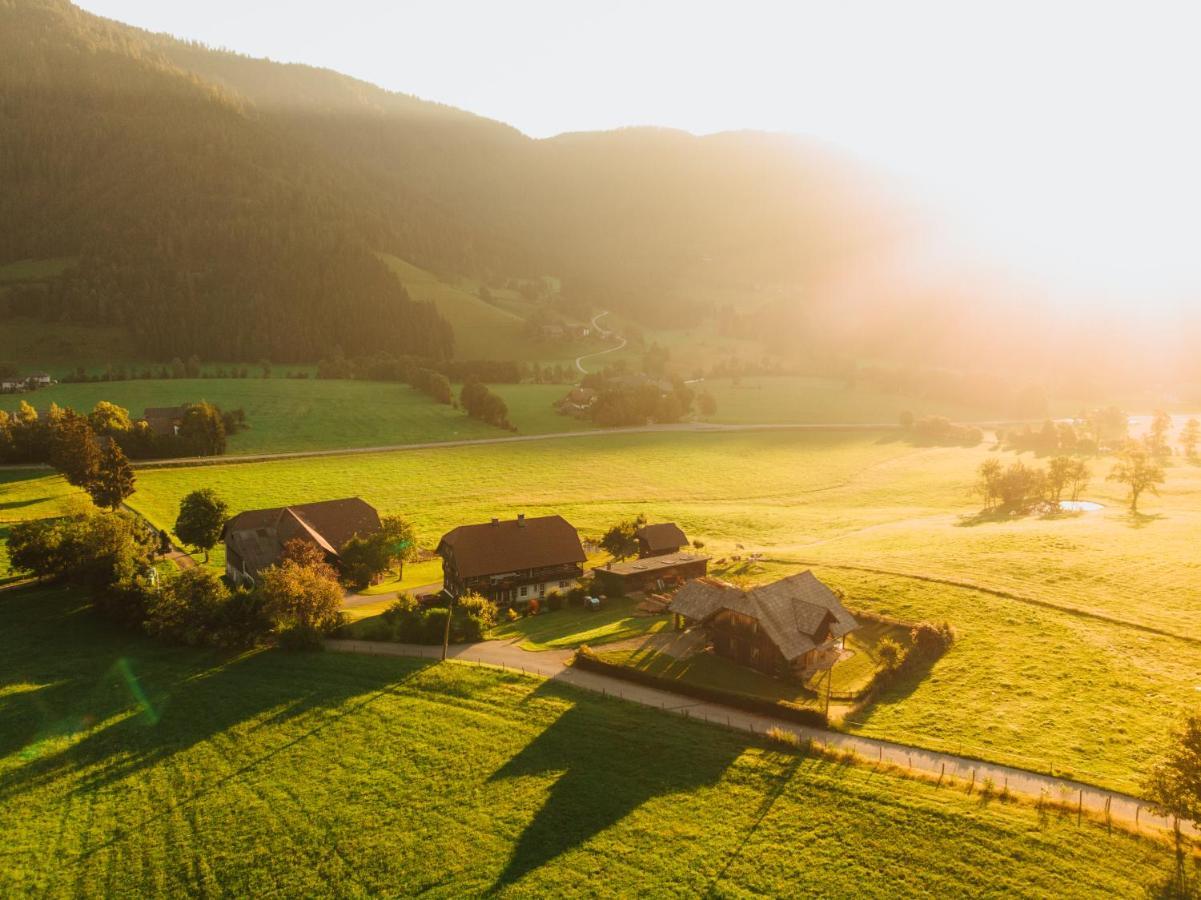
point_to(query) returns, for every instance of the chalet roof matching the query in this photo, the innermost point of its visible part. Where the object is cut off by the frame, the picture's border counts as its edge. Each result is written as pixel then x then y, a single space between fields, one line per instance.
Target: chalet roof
pixel 651 563
pixel 663 536
pixel 512 545
pixel 792 611
pixel 259 535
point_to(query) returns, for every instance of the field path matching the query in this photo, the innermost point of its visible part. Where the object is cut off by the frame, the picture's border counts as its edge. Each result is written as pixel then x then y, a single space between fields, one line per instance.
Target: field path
pixel 579 363
pixel 554 665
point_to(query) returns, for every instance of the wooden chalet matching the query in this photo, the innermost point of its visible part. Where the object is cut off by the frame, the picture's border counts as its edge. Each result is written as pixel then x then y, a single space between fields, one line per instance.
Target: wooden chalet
pixel 512 561
pixel 787 629
pixel 660 539
pixel 256 539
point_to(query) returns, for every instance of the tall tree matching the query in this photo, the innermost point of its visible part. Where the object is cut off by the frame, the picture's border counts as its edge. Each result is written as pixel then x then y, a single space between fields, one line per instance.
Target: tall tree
pixel 400 539
pixel 202 429
pixel 1190 436
pixel 1137 470
pixel 114 479
pixel 1157 437
pixel 1174 785
pixel 74 450
pixel 202 515
pixel 621 540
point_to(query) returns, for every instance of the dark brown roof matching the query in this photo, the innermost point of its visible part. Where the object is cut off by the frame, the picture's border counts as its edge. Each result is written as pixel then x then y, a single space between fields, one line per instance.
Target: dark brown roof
pixel 651 563
pixel 259 535
pixel 664 536
pixel 792 610
pixel 512 545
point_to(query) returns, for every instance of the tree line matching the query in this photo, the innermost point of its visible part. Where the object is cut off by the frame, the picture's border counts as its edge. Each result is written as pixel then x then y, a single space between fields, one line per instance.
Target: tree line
pixel 66 439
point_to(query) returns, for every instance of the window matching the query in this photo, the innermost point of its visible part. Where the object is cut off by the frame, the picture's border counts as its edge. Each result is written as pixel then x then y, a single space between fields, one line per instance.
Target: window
pixel 524 590
pixel 542 590
pixel 562 584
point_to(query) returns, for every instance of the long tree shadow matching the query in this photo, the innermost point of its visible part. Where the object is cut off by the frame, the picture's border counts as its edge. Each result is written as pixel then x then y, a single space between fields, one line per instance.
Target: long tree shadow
pixel 610 767
pixel 89 700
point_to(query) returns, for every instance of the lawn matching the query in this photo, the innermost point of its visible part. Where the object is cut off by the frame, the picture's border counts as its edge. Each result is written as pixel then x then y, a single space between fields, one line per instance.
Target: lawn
pixel 574 626
pixel 1064 655
pixel 131 768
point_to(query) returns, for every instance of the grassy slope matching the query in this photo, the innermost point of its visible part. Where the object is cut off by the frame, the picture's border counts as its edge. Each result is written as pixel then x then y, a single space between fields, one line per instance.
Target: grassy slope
pixel 1022 682
pixel 129 768
pixel 573 626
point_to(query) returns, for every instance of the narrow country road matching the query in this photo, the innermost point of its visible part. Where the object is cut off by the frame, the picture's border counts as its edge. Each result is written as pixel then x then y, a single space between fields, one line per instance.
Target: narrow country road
pixel 554 665
pixel 579 363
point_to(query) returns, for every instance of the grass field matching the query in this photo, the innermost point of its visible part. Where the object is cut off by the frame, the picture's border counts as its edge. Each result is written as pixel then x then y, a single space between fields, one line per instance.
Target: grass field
pixel 287 413
pixel 1036 676
pixel 574 626
pixel 129 768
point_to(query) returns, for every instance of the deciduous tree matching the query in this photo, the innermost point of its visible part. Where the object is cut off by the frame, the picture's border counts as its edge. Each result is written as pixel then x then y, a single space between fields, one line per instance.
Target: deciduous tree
pixel 1139 472
pixel 621 540
pixel 202 515
pixel 114 479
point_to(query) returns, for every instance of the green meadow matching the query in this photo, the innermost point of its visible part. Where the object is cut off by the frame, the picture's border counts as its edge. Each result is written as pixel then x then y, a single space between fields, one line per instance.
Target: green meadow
pixel 1078 639
pixel 130 768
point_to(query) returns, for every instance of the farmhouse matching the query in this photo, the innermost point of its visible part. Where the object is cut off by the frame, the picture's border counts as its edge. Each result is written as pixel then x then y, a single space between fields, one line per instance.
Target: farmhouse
pixel 788 628
pixel 578 401
pixel 657 540
pixel 38 379
pixel 512 561
pixel 164 421
pixel 255 539
pixel 11 385
pixel 651 572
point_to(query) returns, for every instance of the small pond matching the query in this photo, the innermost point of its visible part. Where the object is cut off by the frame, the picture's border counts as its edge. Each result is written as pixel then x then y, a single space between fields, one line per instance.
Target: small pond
pixel 1079 506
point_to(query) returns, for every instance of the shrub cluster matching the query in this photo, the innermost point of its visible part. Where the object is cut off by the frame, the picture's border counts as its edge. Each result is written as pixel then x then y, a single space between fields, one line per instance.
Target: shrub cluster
pixel 1021 488
pixel 407 622
pixel 929 642
pixel 940 430
pixel 481 403
pixel 586 659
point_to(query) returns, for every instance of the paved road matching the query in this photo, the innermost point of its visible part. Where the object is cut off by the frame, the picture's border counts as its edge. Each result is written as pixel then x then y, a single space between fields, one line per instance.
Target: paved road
pixel 353 600
pixel 553 664
pixel 579 363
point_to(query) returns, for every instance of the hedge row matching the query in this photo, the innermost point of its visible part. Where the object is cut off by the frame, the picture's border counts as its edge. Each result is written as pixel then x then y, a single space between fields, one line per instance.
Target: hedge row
pixel 589 661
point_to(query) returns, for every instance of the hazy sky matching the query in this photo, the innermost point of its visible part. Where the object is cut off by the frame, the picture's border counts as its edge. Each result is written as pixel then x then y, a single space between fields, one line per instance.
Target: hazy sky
pixel 1063 135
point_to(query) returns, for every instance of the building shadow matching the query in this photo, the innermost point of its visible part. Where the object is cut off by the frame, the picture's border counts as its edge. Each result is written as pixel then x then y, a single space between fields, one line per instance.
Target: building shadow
pixel 102 703
pixel 609 767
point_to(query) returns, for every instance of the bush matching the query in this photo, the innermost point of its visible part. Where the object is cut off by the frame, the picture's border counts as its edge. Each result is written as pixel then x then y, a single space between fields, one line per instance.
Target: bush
pixel 511 615
pixel 433 625
pixel 586 659
pixel 554 601
pixel 299 638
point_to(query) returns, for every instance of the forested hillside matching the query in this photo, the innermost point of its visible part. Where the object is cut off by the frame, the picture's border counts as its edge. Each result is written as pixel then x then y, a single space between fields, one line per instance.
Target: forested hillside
pixel 195 224
pixel 233 207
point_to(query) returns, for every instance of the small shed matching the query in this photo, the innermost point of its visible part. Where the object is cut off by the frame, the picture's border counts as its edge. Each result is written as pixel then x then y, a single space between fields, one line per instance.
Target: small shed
pixel 661 539
pixel 652 573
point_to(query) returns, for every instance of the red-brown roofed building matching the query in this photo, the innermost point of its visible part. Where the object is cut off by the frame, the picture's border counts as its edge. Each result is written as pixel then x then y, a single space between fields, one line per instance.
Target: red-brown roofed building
pixel 660 539
pixel 255 539
pixel 512 561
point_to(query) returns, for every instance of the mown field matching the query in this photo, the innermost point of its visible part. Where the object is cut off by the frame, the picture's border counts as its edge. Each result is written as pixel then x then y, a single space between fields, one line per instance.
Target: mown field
pixel 129 768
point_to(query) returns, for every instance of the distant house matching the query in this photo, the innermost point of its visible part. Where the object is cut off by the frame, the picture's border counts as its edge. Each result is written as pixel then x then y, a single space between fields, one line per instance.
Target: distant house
pixel 38 379
pixel 577 402
pixel 651 573
pixel 788 628
pixel 255 539
pixel 552 331
pixel 11 385
pixel 164 421
pixel 656 540
pixel 512 561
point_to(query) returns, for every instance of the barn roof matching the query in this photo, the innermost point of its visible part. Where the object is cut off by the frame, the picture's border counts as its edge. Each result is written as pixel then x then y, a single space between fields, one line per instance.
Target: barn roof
pixel 259 535
pixel 663 536
pixel 651 563
pixel 792 611
pixel 496 547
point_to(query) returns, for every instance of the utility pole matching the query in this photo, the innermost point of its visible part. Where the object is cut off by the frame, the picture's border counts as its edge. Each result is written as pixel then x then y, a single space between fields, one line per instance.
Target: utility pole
pixel 829 686
pixel 450 611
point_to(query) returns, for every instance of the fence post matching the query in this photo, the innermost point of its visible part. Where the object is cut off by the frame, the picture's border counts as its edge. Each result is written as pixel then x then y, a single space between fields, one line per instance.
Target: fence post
pixel 941 773
pixel 1108 820
pixel 1080 807
pixel 971 787
pixel 1138 809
